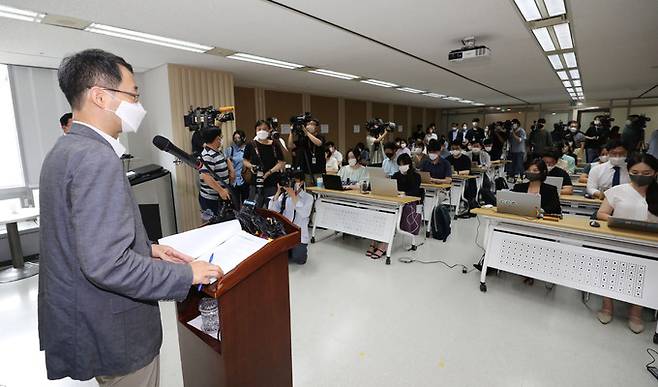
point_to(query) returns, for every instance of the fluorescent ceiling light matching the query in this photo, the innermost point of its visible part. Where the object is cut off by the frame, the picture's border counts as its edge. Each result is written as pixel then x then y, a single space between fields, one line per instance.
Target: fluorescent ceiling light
pixel 544 38
pixel 478 104
pixel 574 73
pixel 566 83
pixel 579 89
pixel 146 38
pixel 555 61
pixel 410 90
pixel 379 83
pixel 576 82
pixel 21 14
pixel 570 90
pixel 265 61
pixel 434 95
pixel 528 9
pixel 555 7
pixel 466 101
pixel 452 98
pixel 563 75
pixel 570 59
pixel 563 33
pixel 334 74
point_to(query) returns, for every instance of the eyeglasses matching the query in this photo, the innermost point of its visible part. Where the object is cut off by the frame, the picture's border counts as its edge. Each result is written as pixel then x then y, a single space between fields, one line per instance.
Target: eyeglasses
pixel 134 95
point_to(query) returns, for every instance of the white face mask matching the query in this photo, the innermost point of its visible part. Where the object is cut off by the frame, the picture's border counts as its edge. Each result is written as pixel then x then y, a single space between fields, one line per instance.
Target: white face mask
pixel 617 161
pixel 298 186
pixel 515 126
pixel 597 122
pixel 262 134
pixel 130 114
pixel 573 130
pixel 550 168
pixel 487 148
pixel 455 153
pixel 433 156
pixel 351 162
pixel 475 124
pixel 403 145
pixel 464 127
pixel 475 150
pixel 454 128
pixel 404 168
pixel 603 159
pixel 433 136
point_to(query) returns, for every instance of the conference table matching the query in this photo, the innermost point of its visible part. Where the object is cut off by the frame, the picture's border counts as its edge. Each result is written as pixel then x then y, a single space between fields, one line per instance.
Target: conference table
pixel 579 188
pixel 579 205
pixel 19 268
pixel 366 215
pixel 611 262
pixel 435 195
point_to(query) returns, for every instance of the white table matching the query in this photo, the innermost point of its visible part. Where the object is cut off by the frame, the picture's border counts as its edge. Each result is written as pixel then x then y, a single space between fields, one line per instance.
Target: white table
pixel 20 269
pixel 435 195
pixel 366 215
pixel 620 264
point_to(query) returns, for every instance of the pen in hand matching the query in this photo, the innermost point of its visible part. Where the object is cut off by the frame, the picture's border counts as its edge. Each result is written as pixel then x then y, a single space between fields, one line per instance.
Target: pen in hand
pixel 209 261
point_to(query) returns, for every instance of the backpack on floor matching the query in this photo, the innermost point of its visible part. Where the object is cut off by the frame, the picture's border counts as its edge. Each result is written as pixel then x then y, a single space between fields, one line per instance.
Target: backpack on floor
pixel 411 219
pixel 487 197
pixel 501 183
pixel 440 223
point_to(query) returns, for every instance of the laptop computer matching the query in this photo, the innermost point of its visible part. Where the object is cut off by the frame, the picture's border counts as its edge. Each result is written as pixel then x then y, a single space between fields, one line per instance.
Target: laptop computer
pixel 376 172
pixel 555 181
pixel 518 203
pixel 333 182
pixel 384 187
pixel 630 224
pixel 425 177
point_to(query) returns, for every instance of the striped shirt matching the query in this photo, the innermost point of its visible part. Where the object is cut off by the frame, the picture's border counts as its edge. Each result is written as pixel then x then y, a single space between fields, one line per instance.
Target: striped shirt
pixel 216 161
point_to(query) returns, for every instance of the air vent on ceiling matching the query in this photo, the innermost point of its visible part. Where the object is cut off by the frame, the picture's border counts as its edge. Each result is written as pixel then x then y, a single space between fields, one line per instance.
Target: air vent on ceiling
pixel 217 51
pixel 65 21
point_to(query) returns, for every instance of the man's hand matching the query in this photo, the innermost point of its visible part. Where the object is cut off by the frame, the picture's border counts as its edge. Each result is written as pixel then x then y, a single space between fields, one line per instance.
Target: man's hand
pixel 224 194
pixel 169 254
pixel 598 195
pixel 203 272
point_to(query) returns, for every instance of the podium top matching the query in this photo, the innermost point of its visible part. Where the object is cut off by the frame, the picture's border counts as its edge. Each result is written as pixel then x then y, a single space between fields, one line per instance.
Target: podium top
pixel 258 259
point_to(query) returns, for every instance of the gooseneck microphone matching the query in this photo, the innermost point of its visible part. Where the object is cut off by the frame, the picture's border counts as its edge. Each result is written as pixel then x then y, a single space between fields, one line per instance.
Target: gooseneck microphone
pixel 165 145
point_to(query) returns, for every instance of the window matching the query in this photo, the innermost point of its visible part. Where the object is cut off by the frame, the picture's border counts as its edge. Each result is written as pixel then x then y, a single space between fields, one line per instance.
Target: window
pixel 11 171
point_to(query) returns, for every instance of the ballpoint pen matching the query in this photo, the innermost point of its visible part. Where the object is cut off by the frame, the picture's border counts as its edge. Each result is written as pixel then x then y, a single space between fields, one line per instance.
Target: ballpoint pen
pixel 209 261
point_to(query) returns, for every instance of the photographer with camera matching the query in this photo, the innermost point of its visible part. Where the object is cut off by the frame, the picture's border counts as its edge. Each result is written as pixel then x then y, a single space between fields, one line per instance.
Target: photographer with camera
pixel 262 163
pixel 210 191
pixel 293 202
pixel 235 153
pixel 377 132
pixel 307 146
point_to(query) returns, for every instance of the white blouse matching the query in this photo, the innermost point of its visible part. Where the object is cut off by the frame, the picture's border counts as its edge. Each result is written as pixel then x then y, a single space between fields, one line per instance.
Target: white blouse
pixel 627 203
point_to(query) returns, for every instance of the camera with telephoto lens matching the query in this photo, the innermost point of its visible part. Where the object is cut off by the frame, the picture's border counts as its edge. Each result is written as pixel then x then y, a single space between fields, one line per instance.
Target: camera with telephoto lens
pixel 202 117
pixel 275 134
pixel 287 177
pixel 377 126
pixel 297 123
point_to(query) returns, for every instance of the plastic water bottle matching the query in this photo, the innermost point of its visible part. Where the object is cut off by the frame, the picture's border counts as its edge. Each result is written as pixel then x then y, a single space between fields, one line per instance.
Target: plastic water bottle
pixel 319 183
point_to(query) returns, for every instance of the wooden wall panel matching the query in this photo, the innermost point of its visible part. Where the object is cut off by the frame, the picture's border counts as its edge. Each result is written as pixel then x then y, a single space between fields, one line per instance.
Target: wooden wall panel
pixel 282 105
pixel 380 110
pixel 400 118
pixel 355 114
pixel 190 86
pixel 417 117
pixel 245 110
pixel 326 110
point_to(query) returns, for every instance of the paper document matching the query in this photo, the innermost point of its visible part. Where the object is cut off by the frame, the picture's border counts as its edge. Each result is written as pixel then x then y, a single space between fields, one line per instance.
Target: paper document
pixel 202 240
pixel 234 250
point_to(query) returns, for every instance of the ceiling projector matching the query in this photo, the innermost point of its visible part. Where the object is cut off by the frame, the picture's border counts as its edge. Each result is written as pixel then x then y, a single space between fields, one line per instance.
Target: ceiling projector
pixel 468 51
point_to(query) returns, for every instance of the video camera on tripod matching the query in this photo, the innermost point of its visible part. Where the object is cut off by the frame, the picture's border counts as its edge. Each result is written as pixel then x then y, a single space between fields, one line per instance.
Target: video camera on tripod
pixel 377 126
pixel 202 117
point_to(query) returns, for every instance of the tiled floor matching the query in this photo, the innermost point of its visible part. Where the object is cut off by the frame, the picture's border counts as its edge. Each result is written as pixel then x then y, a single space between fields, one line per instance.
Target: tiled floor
pixel 358 322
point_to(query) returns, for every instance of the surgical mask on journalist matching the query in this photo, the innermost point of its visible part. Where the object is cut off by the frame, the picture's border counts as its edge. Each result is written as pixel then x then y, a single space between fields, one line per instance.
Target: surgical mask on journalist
pixel 130 114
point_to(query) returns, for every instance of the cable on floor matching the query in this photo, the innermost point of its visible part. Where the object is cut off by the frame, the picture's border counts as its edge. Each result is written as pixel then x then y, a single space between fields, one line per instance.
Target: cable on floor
pixel 464 268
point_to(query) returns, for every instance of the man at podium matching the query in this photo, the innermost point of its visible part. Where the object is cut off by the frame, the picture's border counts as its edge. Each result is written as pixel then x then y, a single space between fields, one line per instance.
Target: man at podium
pixel 101 278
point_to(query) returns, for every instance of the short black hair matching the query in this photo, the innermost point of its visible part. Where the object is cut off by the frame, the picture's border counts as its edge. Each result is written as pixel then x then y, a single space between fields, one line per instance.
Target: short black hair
pixel 210 134
pixel 88 68
pixel 405 159
pixel 476 120
pixel 330 144
pixel 516 121
pixel 488 141
pixel 615 144
pixel 541 165
pixel 262 122
pixel 64 119
pixel 433 146
pixel 456 143
pixel 240 133
pixel 314 120
pixel 553 153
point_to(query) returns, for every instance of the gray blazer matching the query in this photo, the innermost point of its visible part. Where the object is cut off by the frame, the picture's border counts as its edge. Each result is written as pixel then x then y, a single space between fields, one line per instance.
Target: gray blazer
pixel 98 285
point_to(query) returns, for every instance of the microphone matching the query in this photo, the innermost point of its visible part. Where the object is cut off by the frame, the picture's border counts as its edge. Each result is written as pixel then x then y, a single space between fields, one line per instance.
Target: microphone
pixel 165 145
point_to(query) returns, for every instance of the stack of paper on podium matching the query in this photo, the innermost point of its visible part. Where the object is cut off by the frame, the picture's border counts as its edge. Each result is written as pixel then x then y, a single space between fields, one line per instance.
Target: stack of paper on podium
pixel 226 241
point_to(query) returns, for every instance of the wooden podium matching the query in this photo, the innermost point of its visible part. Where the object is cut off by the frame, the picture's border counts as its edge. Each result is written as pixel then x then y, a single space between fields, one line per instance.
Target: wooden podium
pixel 254 322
